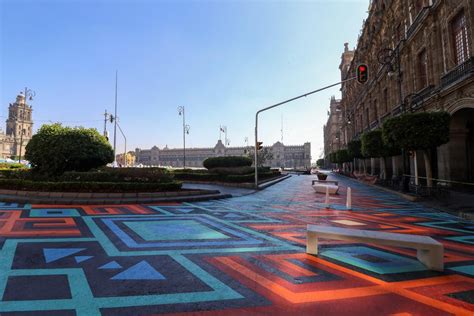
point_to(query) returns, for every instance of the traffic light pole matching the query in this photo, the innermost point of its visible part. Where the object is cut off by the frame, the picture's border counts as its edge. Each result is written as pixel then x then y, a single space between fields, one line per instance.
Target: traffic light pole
pixel 278 104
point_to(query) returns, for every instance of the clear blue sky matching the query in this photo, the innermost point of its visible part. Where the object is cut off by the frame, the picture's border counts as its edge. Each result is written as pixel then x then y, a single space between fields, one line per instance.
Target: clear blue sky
pixel 222 60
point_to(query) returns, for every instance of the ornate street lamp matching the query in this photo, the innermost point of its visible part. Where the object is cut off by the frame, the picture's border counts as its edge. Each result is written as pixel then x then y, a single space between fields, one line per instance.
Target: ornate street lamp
pixel 390 58
pixel 186 129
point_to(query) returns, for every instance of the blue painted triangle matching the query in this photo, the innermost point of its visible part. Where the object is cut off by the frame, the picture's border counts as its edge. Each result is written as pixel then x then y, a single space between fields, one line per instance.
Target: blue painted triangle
pixel 141 271
pixel 185 210
pixel 232 215
pixel 53 254
pixel 111 265
pixel 82 258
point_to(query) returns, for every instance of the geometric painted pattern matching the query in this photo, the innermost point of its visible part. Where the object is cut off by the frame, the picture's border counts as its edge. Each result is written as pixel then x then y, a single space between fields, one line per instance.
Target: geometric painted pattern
pixel 236 256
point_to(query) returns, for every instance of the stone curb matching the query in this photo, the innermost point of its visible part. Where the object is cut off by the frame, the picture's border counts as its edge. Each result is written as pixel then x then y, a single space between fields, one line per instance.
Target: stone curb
pixel 109 198
pixel 272 182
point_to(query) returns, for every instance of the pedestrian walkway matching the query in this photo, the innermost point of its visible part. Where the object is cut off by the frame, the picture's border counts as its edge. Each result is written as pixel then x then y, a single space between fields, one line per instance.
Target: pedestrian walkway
pixel 238 256
pixel 234 191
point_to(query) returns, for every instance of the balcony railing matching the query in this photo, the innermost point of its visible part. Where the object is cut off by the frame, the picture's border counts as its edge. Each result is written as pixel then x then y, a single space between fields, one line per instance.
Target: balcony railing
pixel 397 110
pixel 420 97
pixel 463 71
pixel 374 124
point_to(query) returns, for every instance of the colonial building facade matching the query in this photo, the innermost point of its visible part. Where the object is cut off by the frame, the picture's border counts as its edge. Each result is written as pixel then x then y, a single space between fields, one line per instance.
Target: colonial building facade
pixel 19 129
pixel 420 58
pixel 333 128
pixel 283 156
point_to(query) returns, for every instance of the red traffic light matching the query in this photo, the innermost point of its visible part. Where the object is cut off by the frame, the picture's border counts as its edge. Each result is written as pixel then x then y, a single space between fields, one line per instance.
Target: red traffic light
pixel 362 73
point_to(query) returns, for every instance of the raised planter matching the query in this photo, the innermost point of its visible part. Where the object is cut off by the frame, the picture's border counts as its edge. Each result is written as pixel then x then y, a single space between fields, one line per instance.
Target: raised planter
pixel 322 176
pixel 37 197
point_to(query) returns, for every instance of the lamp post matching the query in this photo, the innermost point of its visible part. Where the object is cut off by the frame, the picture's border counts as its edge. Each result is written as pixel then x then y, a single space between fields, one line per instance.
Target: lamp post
pixel 390 57
pixel 186 129
pixel 28 94
pixel 125 139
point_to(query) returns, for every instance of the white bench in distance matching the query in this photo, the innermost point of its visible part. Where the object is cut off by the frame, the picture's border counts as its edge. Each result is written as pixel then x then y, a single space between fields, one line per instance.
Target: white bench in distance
pixel 320 186
pixel 429 251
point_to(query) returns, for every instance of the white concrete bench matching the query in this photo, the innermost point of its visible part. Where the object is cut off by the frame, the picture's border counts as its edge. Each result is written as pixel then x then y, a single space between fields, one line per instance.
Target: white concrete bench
pixel 320 186
pixel 429 251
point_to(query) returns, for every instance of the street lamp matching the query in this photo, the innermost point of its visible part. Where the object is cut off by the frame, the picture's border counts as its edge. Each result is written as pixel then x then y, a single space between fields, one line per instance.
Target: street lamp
pixel 28 95
pixel 186 129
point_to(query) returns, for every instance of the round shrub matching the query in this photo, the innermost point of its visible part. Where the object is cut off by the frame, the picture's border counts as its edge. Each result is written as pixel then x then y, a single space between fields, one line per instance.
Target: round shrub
pixel 56 149
pixel 354 148
pixel 372 144
pixel 227 162
pixel 424 130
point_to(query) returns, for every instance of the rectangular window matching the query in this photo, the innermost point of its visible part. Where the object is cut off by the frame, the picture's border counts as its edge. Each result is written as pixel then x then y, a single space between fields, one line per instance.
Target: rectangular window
pixel 376 117
pixel 422 65
pixel 419 4
pixel 385 100
pixel 459 38
pixel 398 34
pixel 367 116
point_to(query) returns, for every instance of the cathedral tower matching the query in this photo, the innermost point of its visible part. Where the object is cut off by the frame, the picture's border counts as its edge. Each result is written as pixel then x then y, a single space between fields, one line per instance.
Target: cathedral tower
pixel 20 124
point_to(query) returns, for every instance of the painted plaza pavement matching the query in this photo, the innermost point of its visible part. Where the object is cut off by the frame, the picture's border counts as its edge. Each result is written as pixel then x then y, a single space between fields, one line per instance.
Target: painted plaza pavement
pixel 236 256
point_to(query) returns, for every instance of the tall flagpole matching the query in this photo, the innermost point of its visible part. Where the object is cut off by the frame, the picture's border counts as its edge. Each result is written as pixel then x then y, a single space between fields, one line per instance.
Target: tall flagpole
pixel 115 115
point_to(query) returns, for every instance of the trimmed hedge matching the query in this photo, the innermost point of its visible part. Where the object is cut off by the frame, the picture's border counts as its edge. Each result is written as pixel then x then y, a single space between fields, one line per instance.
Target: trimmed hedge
pixel 372 144
pixel 233 170
pixel 354 147
pixel 231 178
pixel 412 131
pixel 141 175
pixel 157 175
pixel 227 161
pixel 320 162
pixel 12 166
pixel 109 187
pixel 342 155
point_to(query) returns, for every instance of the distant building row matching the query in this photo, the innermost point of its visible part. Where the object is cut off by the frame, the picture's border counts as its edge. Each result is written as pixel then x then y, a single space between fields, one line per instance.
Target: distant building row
pixel 283 156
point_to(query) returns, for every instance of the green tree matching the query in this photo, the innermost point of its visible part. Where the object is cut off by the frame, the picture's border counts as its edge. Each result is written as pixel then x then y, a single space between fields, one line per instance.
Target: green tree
pixel 418 131
pixel 263 156
pixel 342 155
pixel 354 148
pixel 320 162
pixel 372 144
pixel 55 149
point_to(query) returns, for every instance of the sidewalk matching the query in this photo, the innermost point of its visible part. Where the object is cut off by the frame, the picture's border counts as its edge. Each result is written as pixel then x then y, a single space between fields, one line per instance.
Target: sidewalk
pixel 458 203
pixel 235 192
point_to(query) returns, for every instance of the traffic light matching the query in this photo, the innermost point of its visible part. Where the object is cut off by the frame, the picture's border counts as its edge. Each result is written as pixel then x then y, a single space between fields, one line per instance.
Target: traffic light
pixel 362 73
pixel 259 145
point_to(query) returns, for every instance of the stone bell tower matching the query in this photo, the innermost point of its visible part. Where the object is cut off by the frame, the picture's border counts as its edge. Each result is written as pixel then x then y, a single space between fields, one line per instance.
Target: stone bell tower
pixel 19 124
